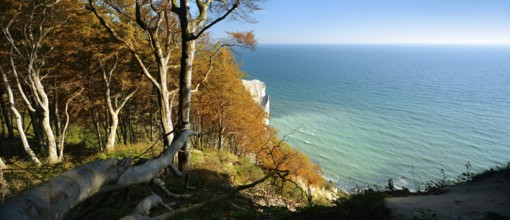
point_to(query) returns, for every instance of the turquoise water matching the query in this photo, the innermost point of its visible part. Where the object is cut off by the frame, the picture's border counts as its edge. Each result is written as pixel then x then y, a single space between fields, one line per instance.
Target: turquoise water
pixel 368 113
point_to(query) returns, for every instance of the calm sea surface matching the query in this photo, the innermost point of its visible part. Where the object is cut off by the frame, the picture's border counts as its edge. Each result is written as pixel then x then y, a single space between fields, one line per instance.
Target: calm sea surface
pixel 368 113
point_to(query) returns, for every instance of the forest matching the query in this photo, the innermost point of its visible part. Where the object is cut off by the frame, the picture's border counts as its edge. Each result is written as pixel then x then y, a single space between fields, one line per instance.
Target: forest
pixel 106 98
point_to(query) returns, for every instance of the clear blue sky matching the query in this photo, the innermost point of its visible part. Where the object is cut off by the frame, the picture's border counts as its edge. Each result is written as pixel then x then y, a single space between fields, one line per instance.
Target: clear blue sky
pixel 379 21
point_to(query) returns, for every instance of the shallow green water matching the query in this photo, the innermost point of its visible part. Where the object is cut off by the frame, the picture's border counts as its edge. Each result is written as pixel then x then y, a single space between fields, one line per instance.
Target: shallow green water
pixel 367 113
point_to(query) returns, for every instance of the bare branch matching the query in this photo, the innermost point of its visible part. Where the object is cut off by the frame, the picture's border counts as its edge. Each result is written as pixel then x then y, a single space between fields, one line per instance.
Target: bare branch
pixel 8 35
pixel 110 30
pixel 234 192
pixel 161 185
pixel 208 70
pixel 143 208
pixel 20 88
pixel 66 124
pixel 236 5
pixel 147 171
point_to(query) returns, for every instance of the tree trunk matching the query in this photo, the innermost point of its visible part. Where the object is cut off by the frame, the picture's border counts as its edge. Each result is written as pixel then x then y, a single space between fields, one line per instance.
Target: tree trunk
pixel 56 117
pixel 66 124
pixel 45 120
pixel 123 132
pixel 113 111
pixel 95 119
pixel 4 186
pixel 19 122
pixel 53 199
pixel 7 119
pixel 165 106
pixel 161 55
pixel 38 132
pixel 50 138
pixel 110 144
pixel 187 57
pixel 132 136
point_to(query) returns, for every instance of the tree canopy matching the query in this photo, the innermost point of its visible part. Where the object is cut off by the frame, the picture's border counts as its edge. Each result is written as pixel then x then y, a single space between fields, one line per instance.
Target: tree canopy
pixel 96 74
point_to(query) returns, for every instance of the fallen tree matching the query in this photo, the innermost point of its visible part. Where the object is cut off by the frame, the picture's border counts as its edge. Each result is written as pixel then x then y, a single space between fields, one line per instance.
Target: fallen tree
pixel 54 198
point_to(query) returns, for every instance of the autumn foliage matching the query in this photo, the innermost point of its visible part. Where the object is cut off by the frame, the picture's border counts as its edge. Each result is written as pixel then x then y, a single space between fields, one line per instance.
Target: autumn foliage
pixel 75 51
pixel 228 118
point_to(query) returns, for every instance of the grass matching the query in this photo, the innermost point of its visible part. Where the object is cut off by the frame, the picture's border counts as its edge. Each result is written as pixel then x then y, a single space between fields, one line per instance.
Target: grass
pixel 368 204
pixel 214 171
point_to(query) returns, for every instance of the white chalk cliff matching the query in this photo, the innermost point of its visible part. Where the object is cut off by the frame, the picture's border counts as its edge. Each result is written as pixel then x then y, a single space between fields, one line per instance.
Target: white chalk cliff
pixel 258 93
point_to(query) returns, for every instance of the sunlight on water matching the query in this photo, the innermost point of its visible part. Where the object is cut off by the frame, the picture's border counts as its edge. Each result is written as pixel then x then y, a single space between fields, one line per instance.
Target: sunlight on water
pixel 369 113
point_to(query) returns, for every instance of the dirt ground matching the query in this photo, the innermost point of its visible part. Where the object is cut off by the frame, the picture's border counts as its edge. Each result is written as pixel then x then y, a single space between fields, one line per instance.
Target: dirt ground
pixel 486 198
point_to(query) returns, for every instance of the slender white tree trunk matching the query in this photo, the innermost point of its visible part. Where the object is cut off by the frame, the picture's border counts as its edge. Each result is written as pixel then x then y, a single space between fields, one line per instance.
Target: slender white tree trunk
pixel 161 55
pixel 45 121
pixel 19 121
pixel 165 103
pixel 113 110
pixel 110 145
pixel 64 129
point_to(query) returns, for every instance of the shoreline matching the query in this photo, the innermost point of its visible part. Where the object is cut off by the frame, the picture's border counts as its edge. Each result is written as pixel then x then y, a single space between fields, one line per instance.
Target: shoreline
pixel 487 196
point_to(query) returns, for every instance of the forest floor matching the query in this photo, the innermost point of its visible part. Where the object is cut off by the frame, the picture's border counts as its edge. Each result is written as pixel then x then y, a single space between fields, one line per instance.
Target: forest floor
pixel 486 197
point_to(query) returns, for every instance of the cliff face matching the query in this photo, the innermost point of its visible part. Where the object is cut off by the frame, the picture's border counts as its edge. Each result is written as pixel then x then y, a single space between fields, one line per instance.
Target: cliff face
pixel 257 90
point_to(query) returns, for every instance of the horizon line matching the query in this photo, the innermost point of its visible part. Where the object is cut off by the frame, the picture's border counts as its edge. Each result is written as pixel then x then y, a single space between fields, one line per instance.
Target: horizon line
pixel 393 43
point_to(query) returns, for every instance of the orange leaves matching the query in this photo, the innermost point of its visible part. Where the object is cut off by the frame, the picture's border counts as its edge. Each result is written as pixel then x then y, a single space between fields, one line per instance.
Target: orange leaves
pixel 244 39
pixel 228 118
pixel 285 158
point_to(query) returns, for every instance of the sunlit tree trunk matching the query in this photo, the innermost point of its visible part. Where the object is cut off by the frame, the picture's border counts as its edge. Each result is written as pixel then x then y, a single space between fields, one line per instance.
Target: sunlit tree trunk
pixel 113 107
pixel 45 120
pixel 161 49
pixel 19 122
pixel 62 135
pixel 187 58
pixel 53 199
pixel 191 29
pixel 29 50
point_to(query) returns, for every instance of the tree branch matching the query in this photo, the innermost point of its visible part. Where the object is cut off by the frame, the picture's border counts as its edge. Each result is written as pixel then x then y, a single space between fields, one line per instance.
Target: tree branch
pixel 144 207
pixel 147 171
pixel 196 36
pixel 20 88
pixel 208 70
pixel 53 199
pixel 213 200
pixel 129 45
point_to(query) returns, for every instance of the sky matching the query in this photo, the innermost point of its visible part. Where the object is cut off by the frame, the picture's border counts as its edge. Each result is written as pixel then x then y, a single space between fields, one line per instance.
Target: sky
pixel 378 21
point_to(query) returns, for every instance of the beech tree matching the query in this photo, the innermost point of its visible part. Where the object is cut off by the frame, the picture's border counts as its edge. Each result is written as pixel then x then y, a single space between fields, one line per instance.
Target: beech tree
pixel 113 106
pixel 192 26
pixel 154 19
pixel 157 26
pixel 27 57
pixel 53 199
pixel 168 27
pixel 19 122
pixel 225 112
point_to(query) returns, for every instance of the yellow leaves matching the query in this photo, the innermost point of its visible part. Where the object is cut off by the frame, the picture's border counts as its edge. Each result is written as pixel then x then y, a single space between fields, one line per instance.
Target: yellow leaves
pixel 245 39
pixel 223 107
pixel 285 158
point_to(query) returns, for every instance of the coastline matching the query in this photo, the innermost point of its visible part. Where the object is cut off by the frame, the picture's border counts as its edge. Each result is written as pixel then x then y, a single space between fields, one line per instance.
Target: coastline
pixel 487 197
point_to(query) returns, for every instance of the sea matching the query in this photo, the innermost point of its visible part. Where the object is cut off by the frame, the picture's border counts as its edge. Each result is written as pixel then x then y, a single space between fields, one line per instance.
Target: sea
pixel 370 113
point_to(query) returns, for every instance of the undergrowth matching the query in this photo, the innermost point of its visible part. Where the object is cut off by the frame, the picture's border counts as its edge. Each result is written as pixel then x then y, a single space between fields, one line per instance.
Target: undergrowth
pixel 214 172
